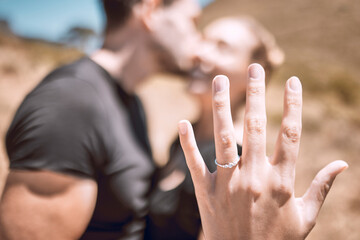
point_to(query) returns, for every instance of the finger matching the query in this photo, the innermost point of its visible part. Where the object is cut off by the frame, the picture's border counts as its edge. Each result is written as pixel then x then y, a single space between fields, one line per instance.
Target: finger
pixel 225 143
pixel 320 187
pixel 288 142
pixel 254 140
pixel 198 170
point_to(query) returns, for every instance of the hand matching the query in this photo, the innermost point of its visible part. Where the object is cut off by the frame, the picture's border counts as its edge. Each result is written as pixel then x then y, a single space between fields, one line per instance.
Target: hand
pixel 255 199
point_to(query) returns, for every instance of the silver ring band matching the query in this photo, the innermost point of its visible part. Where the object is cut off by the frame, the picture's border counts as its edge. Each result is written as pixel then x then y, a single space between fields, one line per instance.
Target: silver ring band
pixel 228 165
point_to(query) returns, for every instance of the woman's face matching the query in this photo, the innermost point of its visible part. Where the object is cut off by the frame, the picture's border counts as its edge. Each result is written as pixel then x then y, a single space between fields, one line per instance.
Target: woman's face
pixel 227 50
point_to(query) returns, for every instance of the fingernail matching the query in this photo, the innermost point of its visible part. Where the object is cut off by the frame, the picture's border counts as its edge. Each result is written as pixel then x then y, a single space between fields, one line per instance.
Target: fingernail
pixel 255 71
pixel 220 83
pixel 182 127
pixel 295 84
pixel 345 165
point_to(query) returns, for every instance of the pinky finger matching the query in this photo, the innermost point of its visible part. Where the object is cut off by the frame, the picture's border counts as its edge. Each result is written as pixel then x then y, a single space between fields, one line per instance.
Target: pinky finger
pixel 320 187
pixel 199 171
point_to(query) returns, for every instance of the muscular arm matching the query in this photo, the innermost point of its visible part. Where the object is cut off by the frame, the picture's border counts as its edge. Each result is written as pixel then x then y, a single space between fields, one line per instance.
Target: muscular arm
pixel 45 205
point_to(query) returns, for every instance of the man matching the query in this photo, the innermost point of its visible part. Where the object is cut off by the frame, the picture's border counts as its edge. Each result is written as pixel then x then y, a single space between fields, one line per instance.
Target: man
pixel 80 162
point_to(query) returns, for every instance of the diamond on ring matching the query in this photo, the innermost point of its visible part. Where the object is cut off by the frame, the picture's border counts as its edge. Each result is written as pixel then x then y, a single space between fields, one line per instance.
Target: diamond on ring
pixel 228 165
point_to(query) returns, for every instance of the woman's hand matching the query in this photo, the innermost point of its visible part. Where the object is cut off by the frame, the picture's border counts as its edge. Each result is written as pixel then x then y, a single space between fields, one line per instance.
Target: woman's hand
pixel 255 199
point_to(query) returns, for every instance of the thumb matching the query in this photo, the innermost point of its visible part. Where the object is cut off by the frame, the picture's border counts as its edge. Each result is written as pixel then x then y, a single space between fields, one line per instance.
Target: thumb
pixel 320 187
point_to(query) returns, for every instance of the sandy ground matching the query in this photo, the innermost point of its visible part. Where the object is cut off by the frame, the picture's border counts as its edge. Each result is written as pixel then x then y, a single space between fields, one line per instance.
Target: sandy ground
pixel 321 40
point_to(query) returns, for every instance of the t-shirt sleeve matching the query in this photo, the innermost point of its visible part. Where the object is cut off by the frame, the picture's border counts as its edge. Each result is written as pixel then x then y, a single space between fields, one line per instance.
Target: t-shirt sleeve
pixel 56 129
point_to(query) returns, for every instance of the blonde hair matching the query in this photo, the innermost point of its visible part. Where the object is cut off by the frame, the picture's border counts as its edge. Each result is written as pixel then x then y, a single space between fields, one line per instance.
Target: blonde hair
pixel 267 51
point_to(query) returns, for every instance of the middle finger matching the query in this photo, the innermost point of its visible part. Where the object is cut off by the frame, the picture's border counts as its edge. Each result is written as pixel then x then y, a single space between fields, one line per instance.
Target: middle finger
pixel 254 140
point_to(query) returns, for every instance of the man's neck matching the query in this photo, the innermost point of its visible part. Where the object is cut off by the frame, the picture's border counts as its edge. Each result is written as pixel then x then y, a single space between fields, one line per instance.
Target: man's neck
pixel 127 57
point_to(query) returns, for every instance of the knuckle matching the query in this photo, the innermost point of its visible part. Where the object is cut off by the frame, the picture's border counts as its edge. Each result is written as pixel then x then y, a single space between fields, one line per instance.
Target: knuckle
pixel 256 125
pixel 254 189
pixel 220 102
pixel 283 190
pixel 256 90
pixel 292 133
pixel 190 148
pixel 293 102
pixel 194 168
pixel 227 140
pixel 324 190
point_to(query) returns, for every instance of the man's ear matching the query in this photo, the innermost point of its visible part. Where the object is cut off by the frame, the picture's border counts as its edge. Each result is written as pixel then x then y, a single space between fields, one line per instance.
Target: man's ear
pixel 144 11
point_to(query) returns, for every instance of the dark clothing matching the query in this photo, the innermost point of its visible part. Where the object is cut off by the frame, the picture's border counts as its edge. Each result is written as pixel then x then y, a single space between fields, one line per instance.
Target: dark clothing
pixel 174 214
pixel 79 121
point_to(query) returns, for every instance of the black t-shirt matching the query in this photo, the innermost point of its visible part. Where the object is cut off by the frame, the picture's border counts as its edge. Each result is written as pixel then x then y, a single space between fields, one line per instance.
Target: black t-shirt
pixel 174 214
pixel 79 121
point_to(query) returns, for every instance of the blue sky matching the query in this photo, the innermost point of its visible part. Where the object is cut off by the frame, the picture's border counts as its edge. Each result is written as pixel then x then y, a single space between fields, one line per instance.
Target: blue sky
pixel 51 19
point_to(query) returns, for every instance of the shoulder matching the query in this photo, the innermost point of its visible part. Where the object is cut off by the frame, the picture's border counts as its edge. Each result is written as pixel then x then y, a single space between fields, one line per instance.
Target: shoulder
pixel 58 100
pixel 62 104
pixel 67 90
pixel 61 125
pixel 58 127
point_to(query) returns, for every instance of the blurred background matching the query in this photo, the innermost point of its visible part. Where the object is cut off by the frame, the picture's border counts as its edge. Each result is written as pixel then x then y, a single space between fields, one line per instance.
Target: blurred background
pixel 321 40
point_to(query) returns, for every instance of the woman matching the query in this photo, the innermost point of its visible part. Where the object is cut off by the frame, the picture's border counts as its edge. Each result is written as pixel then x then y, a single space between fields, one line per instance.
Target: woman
pixel 237 42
